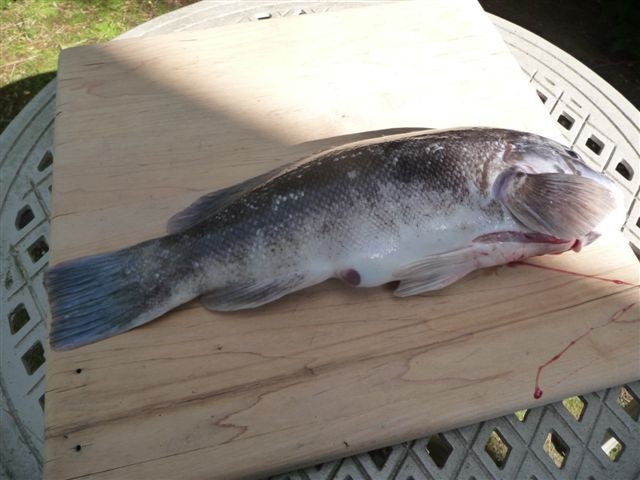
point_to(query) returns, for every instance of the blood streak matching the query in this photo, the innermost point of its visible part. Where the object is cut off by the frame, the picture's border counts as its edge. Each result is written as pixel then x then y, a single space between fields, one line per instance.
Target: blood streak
pixel 615 318
pixel 584 275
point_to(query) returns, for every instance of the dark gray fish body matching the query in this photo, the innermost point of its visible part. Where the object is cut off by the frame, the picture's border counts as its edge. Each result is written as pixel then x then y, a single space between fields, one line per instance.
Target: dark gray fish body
pixel 424 208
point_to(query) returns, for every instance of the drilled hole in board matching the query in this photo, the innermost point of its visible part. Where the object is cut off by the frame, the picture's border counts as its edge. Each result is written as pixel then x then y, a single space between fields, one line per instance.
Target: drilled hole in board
pixel 439 450
pixel 594 144
pixel 625 170
pixel 556 448
pixel 498 449
pixel 41 402
pixel 45 161
pixel 379 457
pixel 521 415
pixel 38 249
pixel 576 406
pixel 629 402
pixel 566 120
pixel 33 358
pixel 18 318
pixel 612 446
pixel 541 96
pixel 24 217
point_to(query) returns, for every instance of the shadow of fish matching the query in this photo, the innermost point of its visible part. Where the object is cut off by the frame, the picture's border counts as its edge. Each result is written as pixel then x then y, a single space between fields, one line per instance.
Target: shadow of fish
pixel 423 208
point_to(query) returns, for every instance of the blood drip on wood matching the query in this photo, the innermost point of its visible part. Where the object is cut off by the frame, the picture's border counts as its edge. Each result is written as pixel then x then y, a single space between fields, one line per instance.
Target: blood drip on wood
pixel 615 318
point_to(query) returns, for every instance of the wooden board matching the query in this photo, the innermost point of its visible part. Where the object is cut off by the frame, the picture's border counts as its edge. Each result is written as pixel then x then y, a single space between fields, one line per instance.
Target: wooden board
pixel 145 126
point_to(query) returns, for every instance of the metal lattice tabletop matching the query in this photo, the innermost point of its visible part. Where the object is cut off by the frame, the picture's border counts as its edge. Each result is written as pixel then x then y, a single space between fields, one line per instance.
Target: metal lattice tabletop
pixel 594 436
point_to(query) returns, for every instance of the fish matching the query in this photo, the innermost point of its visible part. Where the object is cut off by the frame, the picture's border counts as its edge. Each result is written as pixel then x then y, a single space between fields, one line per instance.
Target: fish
pixel 423 209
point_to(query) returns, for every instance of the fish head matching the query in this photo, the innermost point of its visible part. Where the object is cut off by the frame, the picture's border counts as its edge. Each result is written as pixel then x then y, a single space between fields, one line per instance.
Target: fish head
pixel 561 184
pixel 615 218
pixel 535 154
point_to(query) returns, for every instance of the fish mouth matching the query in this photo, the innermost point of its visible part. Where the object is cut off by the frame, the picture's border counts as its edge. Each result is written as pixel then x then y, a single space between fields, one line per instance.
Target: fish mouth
pixel 577 246
pixel 614 221
pixel 556 245
pixel 523 237
pixel 588 239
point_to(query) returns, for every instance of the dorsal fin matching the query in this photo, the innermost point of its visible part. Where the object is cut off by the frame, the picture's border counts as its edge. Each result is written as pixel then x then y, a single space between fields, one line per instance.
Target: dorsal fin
pixel 208 204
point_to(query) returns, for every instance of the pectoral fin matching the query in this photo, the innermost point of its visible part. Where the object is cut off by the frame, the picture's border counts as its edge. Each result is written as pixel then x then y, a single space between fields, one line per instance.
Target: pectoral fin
pixel 558 204
pixel 497 248
pixel 434 272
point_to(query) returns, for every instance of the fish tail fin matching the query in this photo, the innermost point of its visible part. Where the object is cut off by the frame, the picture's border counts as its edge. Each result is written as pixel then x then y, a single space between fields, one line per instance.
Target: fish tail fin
pixel 93 298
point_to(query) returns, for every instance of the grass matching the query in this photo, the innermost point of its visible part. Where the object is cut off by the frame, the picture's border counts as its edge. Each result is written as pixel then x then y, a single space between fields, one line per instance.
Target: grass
pixel 32 33
pixel 497 449
pixel 521 415
pixel 576 406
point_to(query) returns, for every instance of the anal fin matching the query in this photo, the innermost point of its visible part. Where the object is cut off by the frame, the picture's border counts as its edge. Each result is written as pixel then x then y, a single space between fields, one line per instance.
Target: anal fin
pixel 251 294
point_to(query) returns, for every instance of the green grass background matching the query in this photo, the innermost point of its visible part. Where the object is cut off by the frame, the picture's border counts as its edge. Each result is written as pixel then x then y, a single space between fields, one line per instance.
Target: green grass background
pixel 32 33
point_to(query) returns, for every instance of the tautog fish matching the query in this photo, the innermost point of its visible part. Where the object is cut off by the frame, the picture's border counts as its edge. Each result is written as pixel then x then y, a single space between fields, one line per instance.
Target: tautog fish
pixel 424 209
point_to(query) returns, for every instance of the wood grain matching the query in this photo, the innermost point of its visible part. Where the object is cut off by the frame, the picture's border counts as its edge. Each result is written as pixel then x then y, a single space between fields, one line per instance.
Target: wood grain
pixel 145 126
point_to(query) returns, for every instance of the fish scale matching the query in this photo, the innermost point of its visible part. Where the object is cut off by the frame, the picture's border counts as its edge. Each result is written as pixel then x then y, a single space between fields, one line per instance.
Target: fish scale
pixel 424 208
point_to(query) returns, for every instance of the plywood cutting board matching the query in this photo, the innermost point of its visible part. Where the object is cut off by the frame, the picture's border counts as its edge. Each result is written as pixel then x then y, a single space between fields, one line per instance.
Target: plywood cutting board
pixel 145 126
